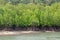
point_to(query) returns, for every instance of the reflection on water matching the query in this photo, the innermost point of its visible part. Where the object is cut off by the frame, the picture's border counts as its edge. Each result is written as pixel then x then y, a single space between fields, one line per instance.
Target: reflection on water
pixel 37 36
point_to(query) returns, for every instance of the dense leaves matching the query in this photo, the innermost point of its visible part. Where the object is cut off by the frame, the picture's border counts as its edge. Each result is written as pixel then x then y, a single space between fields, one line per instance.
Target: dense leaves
pixel 29 15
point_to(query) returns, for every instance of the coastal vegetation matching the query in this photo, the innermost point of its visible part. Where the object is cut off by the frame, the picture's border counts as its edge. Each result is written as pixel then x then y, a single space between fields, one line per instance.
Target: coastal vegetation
pixel 34 14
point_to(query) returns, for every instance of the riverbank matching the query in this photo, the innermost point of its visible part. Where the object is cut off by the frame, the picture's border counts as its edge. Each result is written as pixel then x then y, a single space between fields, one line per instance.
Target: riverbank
pixel 2 33
pixel 16 32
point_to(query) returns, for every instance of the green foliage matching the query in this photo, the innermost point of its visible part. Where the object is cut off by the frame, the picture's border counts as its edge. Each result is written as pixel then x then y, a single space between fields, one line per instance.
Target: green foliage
pixel 15 2
pixel 29 15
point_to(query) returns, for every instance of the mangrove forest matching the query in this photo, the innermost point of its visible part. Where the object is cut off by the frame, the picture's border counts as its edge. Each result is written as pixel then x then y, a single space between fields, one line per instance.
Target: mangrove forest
pixel 32 15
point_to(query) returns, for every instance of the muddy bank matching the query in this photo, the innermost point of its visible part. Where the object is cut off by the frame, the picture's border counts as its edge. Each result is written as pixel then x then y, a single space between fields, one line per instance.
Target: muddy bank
pixel 4 33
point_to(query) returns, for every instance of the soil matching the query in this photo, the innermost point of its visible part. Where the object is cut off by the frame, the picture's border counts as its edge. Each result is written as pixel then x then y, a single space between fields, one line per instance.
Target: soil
pixel 25 30
pixel 9 33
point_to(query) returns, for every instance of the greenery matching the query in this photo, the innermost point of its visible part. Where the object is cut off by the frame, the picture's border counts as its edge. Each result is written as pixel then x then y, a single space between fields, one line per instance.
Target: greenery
pixel 29 14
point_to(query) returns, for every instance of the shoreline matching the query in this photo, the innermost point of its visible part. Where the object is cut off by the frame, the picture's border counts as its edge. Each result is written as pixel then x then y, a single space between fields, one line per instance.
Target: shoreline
pixel 2 33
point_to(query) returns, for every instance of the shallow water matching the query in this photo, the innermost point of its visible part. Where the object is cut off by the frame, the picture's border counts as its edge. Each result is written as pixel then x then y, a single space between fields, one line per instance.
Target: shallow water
pixel 36 36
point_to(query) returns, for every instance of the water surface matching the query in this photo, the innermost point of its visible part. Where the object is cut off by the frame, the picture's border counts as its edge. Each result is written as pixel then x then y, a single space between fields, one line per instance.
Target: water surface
pixel 36 36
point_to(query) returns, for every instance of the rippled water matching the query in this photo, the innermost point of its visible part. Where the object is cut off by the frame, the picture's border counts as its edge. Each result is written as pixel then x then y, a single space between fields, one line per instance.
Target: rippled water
pixel 37 36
